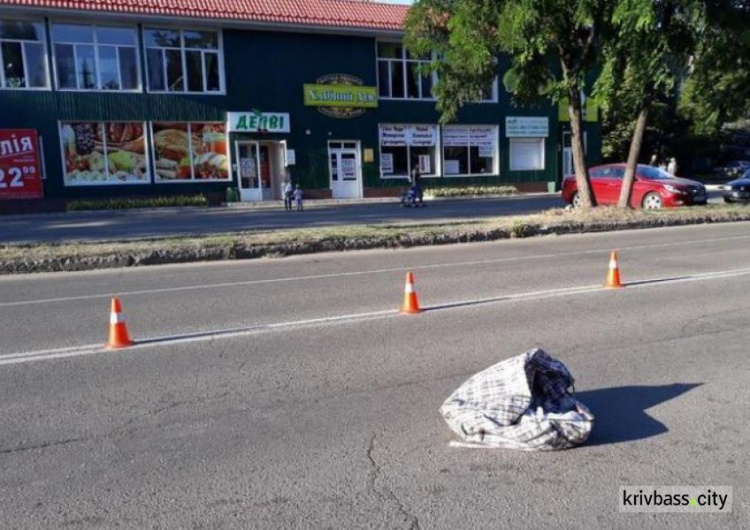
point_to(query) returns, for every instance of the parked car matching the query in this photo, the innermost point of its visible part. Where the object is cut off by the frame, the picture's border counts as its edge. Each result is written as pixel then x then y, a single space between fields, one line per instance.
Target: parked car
pixel 738 190
pixel 653 188
pixel 735 168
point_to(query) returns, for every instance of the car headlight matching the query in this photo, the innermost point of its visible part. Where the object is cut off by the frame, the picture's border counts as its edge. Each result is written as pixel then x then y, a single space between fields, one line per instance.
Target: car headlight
pixel 673 189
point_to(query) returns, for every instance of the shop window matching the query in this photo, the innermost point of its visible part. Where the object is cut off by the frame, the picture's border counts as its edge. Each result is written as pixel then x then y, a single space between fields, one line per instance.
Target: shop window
pixel 401 75
pixel 527 154
pixel 103 153
pixel 186 152
pixel 23 55
pixel 183 61
pixel 95 57
pixel 470 150
pixel 404 146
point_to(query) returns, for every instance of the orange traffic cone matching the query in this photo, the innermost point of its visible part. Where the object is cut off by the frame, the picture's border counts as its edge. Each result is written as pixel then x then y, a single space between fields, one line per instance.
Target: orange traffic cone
pixel 613 274
pixel 118 331
pixel 411 303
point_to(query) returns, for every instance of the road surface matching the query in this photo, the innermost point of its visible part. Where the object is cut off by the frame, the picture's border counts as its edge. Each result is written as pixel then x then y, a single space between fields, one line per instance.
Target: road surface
pixel 290 394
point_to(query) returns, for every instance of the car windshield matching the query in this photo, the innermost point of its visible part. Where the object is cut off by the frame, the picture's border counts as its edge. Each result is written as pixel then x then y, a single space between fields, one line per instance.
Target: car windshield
pixel 654 173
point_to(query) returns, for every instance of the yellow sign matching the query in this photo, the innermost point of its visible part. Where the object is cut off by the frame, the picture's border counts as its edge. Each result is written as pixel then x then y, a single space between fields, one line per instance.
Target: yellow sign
pixel 590 112
pixel 369 155
pixel 351 96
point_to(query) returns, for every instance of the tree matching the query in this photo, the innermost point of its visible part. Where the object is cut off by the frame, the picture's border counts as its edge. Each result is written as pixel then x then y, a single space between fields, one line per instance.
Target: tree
pixel 552 45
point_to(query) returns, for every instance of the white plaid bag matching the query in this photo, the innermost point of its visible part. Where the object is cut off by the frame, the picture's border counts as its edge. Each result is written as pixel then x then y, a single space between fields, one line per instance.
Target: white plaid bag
pixel 520 403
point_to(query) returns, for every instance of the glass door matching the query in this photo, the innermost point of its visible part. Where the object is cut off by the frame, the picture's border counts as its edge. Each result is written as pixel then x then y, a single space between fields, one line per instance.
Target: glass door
pixel 248 164
pixel 346 174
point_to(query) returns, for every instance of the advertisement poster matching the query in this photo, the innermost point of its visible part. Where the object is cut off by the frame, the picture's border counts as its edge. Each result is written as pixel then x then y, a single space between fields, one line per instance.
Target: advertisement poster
pixel 451 167
pixel 386 163
pixel 104 153
pixel 190 151
pixel 424 164
pixel 20 171
pixel 349 168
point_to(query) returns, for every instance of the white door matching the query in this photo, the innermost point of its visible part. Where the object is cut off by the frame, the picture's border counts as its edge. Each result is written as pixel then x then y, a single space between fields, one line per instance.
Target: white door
pixel 346 170
pixel 567 152
pixel 248 164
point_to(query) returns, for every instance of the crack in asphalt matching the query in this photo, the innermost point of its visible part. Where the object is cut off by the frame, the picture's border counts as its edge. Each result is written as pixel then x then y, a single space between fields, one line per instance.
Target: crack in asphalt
pixel 386 495
pixel 40 446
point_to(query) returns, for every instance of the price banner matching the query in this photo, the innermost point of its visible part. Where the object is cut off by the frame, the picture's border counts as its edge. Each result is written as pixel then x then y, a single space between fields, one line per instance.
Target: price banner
pixel 20 171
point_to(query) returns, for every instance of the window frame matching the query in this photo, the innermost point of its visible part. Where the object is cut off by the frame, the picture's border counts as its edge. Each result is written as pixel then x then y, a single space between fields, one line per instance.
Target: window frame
pixel 436 170
pixel 522 139
pixel 45 48
pixel 403 61
pixel 495 155
pixel 183 49
pixel 95 44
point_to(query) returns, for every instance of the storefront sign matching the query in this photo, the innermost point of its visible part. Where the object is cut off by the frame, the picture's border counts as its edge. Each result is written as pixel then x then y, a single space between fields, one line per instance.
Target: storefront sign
pixel 424 164
pixel 341 96
pixel 525 127
pixel 272 122
pixel 20 171
pixel 369 155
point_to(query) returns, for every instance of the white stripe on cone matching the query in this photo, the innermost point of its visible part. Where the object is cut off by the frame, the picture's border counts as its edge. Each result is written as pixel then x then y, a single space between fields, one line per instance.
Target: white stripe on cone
pixel 612 265
pixel 116 318
pixel 409 288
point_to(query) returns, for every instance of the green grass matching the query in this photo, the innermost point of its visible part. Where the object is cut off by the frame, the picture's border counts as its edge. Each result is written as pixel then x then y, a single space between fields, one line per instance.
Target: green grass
pixel 136 202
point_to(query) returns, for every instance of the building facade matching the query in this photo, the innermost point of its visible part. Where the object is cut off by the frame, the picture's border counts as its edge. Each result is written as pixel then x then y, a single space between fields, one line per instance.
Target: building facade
pixel 159 99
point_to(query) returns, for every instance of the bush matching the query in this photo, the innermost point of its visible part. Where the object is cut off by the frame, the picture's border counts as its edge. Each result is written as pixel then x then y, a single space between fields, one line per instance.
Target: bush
pixel 125 203
pixel 470 190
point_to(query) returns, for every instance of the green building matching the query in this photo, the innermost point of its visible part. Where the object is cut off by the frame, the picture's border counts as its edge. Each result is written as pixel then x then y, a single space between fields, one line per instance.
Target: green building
pixel 167 97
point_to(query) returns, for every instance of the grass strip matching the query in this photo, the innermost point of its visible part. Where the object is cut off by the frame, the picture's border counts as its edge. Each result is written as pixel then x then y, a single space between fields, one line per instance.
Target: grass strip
pixel 73 256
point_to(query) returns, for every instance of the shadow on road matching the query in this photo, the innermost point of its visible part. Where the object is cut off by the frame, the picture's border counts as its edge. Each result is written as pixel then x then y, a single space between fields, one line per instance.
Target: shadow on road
pixel 621 412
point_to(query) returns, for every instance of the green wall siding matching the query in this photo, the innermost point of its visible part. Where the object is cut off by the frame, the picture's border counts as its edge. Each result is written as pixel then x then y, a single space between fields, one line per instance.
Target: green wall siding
pixel 266 71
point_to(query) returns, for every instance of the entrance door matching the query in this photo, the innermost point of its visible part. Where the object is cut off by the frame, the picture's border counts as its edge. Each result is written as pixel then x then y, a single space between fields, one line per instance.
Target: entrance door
pixel 346 170
pixel 567 152
pixel 248 163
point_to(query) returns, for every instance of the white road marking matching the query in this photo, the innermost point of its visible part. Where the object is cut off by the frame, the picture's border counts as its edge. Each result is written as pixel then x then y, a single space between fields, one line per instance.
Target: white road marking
pixel 43 355
pixel 365 272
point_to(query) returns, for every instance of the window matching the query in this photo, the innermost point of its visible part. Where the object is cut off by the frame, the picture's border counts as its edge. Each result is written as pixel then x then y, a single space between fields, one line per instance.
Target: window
pixel 526 154
pixel 23 55
pixel 95 57
pixel 183 60
pixel 97 153
pixel 400 75
pixel 470 150
pixel 404 146
pixel 184 152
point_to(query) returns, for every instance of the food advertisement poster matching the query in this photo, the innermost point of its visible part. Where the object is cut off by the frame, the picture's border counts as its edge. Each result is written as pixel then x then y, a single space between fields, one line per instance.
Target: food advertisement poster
pixel 104 153
pixel 190 151
pixel 20 171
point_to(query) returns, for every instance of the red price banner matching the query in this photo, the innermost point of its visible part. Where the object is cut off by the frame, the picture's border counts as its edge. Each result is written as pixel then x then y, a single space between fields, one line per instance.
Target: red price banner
pixel 20 171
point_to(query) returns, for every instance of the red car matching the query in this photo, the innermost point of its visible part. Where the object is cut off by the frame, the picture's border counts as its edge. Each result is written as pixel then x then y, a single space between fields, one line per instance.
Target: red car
pixel 653 188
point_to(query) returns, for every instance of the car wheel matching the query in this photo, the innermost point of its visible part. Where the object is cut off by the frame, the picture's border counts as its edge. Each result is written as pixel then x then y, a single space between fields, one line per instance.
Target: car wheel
pixel 652 201
pixel 727 200
pixel 576 200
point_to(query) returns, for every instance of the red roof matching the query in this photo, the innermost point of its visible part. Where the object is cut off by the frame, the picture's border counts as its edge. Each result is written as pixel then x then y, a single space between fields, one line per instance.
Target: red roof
pixel 334 13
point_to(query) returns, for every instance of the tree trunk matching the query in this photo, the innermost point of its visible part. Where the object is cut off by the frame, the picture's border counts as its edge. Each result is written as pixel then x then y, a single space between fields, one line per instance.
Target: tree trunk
pixel 579 155
pixel 635 151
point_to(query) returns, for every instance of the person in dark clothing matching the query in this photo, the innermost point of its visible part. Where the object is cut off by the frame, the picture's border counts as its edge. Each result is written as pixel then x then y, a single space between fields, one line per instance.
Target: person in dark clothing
pixel 416 176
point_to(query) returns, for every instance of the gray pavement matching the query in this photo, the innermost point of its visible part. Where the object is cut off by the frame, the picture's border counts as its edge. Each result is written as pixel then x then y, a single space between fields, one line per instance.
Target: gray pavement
pixel 108 225
pixel 335 424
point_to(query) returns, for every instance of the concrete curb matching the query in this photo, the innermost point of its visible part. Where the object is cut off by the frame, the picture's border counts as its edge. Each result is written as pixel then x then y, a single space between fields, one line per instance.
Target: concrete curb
pixel 236 251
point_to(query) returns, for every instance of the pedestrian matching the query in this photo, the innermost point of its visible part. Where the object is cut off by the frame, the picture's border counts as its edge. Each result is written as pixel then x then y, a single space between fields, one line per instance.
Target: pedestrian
pixel 288 195
pixel 654 160
pixel 298 197
pixel 672 166
pixel 416 176
pixel 663 165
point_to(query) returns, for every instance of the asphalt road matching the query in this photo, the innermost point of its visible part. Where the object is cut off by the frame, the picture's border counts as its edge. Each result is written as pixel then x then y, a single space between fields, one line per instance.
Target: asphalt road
pixel 107 225
pixel 289 394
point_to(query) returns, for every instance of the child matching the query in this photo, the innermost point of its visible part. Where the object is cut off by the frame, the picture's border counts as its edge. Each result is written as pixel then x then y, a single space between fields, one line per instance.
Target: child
pixel 298 197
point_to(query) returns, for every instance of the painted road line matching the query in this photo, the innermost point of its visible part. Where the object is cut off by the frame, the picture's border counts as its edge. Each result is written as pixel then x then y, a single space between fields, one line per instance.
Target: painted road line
pixel 43 355
pixel 164 290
